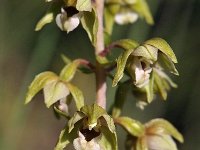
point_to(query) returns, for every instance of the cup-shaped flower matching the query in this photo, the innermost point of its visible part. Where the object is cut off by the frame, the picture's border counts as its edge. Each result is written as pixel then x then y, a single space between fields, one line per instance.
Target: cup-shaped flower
pixel 145 64
pixel 154 135
pixel 57 88
pixel 125 12
pixel 69 16
pixel 90 128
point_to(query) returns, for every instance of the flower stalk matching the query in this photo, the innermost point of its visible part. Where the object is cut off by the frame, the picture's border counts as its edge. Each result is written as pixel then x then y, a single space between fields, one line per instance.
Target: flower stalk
pixel 100 71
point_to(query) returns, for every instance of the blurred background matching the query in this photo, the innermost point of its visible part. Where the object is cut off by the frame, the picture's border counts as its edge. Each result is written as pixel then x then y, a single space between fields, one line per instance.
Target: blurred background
pixel 25 53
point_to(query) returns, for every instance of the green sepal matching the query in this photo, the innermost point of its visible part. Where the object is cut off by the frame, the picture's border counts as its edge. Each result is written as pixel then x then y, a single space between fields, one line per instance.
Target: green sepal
pixel 120 98
pixel 55 91
pixel 68 72
pixel 77 95
pixel 74 119
pixel 146 52
pixel 149 89
pixel 66 137
pixel 63 140
pixel 89 22
pixel 93 112
pixel 58 113
pixel 84 5
pixel 166 62
pixel 109 122
pixel 38 84
pixel 142 8
pixel 129 46
pixel 162 126
pixel 126 44
pixel 160 86
pixel 163 46
pixel 108 139
pixel 133 127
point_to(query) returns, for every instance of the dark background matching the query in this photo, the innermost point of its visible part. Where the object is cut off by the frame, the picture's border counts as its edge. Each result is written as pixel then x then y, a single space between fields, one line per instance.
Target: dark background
pixel 25 53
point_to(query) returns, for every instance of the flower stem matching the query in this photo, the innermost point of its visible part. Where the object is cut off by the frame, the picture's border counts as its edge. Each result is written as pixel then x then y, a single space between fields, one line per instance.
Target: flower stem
pixel 100 71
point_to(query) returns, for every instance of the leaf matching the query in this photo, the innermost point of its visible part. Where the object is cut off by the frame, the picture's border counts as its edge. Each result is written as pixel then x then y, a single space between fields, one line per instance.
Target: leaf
pixel 167 63
pixel 84 5
pixel 149 89
pixel 47 18
pixel 38 83
pixel 93 112
pixel 77 116
pixel 142 8
pixel 77 95
pixel 68 72
pixel 163 46
pixel 120 98
pixel 90 24
pixel 55 91
pixel 133 127
pixel 129 46
pixel 162 126
pixel 108 139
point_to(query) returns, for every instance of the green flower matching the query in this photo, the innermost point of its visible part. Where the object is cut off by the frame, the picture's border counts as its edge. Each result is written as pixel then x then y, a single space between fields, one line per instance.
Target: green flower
pixel 145 64
pixel 57 88
pixel 158 136
pixel 90 128
pixel 154 135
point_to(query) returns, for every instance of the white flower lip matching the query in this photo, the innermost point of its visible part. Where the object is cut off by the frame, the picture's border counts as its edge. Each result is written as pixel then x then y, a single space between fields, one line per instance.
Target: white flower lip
pixel 142 74
pixel 67 23
pixel 80 143
pixel 126 17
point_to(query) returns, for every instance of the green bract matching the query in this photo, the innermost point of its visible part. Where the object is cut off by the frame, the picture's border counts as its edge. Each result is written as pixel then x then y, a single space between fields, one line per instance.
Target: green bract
pixel 94 128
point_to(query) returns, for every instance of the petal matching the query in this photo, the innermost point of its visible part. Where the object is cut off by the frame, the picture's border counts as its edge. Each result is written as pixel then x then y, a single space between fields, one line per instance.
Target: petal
pixel 142 75
pixel 59 22
pixel 164 142
pixel 81 144
pixel 126 17
pixel 71 23
pixel 63 106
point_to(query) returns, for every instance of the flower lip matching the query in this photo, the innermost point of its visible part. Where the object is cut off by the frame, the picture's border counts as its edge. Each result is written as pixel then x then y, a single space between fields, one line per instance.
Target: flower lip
pixel 89 134
pixel 71 11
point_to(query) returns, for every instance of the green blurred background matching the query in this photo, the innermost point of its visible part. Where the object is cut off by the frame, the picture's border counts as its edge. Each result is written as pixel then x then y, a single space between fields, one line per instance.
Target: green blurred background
pixel 25 53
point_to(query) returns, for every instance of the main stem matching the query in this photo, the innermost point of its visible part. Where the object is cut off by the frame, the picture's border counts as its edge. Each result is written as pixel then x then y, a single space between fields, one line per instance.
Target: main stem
pixel 100 71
